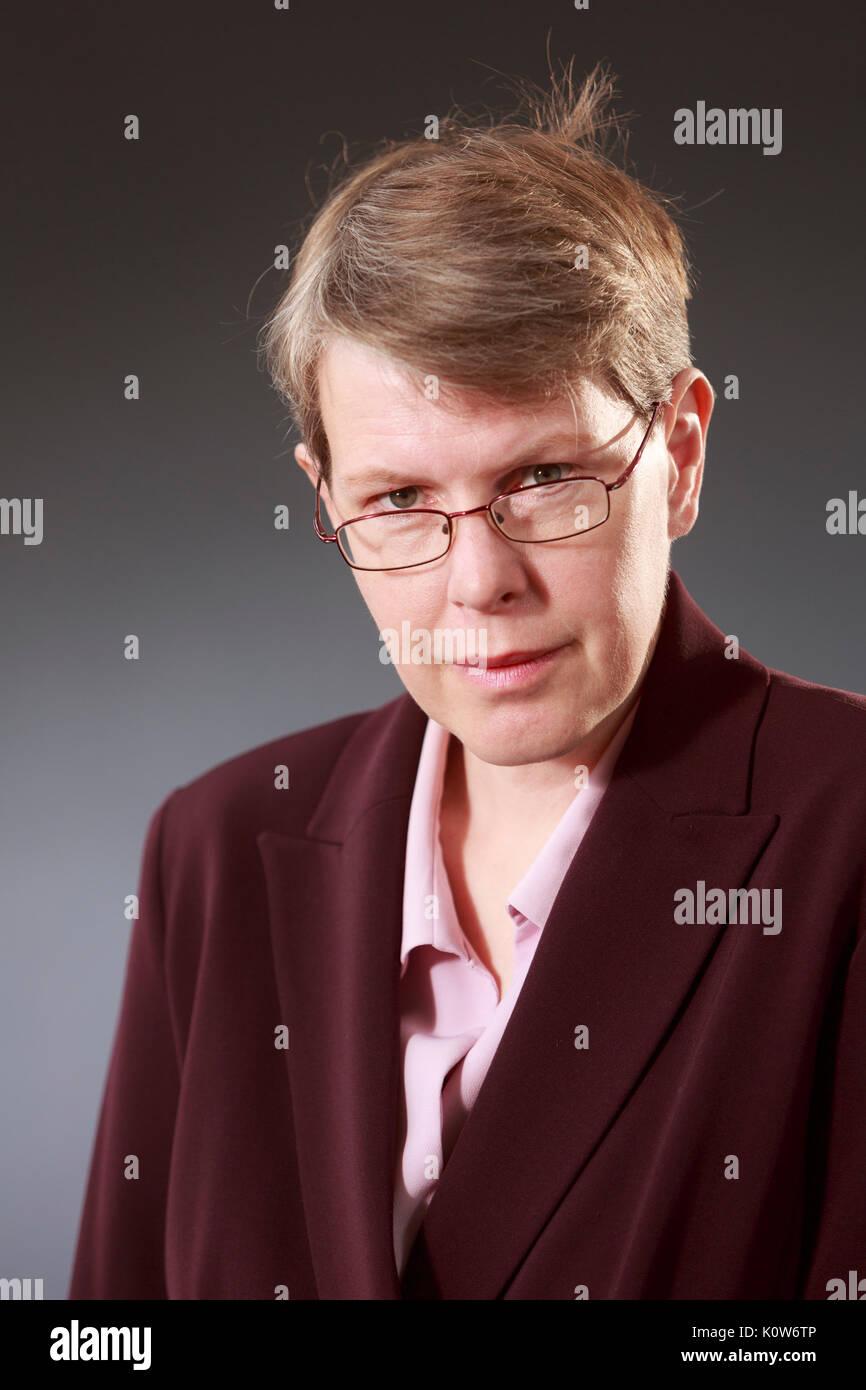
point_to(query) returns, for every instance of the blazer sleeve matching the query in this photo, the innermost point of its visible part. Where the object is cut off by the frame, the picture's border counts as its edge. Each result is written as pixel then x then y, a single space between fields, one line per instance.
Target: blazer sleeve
pixel 120 1249
pixel 840 1242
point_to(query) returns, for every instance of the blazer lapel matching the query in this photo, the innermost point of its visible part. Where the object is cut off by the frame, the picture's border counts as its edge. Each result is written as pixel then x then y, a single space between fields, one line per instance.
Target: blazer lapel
pixel 610 958
pixel 335 900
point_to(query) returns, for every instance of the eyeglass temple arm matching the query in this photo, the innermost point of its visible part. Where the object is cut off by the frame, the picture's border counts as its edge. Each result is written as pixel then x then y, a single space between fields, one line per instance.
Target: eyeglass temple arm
pixel 636 460
pixel 319 532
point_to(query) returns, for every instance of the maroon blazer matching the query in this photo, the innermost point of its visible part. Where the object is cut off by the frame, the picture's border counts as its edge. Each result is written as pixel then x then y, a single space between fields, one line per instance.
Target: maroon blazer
pixel 709 1142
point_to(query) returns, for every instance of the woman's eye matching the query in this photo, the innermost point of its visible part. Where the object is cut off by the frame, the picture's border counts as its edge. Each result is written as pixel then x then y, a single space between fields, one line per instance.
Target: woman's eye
pixel 545 473
pixel 404 498
pixel 401 498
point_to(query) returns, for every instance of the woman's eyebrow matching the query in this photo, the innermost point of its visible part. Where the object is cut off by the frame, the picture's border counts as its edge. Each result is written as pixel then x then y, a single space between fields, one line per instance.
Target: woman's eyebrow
pixel 370 477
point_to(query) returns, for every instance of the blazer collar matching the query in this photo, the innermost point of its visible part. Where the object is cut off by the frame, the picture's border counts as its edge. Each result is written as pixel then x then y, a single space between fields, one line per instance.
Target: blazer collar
pixel 676 810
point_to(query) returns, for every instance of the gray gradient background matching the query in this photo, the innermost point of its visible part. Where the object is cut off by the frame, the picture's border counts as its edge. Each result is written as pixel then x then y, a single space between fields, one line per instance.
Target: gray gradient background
pixel 158 515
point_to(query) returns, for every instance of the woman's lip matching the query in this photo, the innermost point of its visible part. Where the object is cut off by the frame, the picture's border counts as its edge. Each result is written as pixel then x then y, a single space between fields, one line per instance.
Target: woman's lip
pixel 518 673
pixel 512 658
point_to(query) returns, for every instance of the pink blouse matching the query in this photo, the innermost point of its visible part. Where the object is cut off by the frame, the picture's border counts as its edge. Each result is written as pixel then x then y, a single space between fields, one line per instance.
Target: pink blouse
pixel 451 1015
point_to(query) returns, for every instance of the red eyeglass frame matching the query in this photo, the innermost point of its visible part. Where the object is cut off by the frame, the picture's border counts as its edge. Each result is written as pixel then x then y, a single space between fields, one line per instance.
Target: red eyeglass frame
pixel 484 507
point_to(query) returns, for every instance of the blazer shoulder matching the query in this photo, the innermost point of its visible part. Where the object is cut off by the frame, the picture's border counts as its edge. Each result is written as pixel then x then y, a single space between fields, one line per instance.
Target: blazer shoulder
pixel 235 799
pixel 813 736
pixel 800 702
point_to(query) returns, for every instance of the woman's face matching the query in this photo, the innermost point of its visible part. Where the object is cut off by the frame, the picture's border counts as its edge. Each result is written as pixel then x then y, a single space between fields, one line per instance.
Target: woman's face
pixel 593 601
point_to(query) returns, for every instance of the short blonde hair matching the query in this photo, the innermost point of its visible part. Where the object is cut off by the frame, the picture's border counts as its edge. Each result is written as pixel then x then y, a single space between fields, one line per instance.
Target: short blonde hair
pixel 459 257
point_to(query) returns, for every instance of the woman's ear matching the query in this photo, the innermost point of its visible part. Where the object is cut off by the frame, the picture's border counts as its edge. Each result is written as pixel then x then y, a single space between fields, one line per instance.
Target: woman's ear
pixel 305 459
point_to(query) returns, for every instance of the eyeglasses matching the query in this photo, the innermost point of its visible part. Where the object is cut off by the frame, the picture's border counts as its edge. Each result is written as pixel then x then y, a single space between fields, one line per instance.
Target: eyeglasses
pixel 532 515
